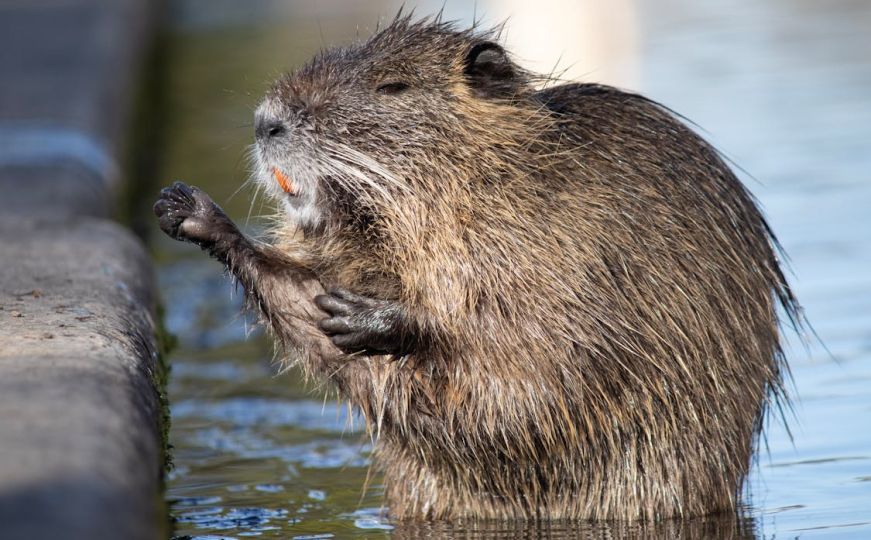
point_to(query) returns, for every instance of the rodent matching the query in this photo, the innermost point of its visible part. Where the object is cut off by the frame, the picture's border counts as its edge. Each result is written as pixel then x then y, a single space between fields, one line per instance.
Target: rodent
pixel 547 303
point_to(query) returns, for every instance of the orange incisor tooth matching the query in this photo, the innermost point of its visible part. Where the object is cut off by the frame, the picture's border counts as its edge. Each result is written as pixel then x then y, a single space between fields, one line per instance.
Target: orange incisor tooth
pixel 282 180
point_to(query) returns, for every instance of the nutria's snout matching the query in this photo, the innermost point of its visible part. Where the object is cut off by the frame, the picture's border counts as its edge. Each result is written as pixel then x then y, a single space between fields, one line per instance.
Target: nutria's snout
pixel 266 127
pixel 272 126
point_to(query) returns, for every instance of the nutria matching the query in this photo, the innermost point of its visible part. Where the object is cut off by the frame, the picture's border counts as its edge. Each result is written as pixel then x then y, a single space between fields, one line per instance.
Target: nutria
pixel 547 303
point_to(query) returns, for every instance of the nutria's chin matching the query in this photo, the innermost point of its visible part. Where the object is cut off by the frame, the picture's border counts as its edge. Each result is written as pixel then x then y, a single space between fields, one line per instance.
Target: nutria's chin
pixel 556 303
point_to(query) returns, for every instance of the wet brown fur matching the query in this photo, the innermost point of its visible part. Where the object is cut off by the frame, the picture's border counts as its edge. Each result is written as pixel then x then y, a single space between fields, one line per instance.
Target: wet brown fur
pixel 600 292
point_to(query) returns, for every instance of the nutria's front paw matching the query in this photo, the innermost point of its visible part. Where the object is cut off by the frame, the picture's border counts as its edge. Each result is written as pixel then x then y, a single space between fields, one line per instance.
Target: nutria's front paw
pixel 187 213
pixel 358 324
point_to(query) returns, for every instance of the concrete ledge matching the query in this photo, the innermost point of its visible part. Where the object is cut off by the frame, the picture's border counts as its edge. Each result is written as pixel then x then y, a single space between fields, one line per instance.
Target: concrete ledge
pixel 80 414
pixel 80 453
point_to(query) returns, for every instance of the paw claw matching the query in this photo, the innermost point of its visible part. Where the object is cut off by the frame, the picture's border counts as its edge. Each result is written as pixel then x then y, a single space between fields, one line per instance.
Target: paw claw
pixel 332 305
pixel 349 343
pixel 172 208
pixel 335 325
pixel 351 298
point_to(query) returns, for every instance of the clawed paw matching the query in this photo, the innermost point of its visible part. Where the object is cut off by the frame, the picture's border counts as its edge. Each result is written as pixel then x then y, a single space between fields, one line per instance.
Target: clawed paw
pixel 358 324
pixel 185 213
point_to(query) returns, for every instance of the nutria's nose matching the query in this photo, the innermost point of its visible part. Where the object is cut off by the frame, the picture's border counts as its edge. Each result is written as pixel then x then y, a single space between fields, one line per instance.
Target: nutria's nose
pixel 267 128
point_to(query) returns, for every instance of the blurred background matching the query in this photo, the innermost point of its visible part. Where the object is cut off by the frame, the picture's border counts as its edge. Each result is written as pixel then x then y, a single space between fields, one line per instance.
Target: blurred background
pixel 783 87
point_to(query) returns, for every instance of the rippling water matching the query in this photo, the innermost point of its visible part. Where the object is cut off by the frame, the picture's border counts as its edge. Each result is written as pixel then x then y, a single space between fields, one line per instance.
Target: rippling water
pixel 783 87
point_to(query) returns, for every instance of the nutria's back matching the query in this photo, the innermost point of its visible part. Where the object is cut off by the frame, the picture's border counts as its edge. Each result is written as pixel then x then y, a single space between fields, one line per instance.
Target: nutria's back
pixel 591 290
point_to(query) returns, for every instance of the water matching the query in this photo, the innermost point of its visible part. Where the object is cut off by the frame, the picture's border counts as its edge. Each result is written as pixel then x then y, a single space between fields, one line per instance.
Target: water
pixel 783 87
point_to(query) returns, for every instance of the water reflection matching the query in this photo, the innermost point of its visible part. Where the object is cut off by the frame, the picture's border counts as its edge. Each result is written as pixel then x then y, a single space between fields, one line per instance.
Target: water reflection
pixel 722 527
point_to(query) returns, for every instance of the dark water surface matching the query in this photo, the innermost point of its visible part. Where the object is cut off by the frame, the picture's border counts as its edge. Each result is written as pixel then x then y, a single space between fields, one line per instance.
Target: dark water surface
pixel 783 87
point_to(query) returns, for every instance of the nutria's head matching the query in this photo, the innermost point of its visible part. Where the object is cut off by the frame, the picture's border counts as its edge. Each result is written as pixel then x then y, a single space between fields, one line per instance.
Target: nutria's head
pixel 355 126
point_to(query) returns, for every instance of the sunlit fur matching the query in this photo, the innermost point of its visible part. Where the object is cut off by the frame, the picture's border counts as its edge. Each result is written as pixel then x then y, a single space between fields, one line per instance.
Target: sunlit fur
pixel 599 289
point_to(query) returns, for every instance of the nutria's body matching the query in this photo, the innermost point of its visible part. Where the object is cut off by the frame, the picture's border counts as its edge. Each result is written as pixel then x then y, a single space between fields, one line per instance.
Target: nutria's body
pixel 564 302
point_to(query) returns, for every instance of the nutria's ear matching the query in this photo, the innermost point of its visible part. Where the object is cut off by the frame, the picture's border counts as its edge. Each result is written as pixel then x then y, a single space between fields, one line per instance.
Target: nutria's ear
pixel 489 70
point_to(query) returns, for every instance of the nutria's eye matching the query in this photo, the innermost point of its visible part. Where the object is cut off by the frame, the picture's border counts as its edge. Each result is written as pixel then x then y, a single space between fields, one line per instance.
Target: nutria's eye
pixel 392 88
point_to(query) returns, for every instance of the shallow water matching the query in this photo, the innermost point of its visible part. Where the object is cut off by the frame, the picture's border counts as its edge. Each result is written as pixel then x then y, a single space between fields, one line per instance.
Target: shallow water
pixel 783 87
